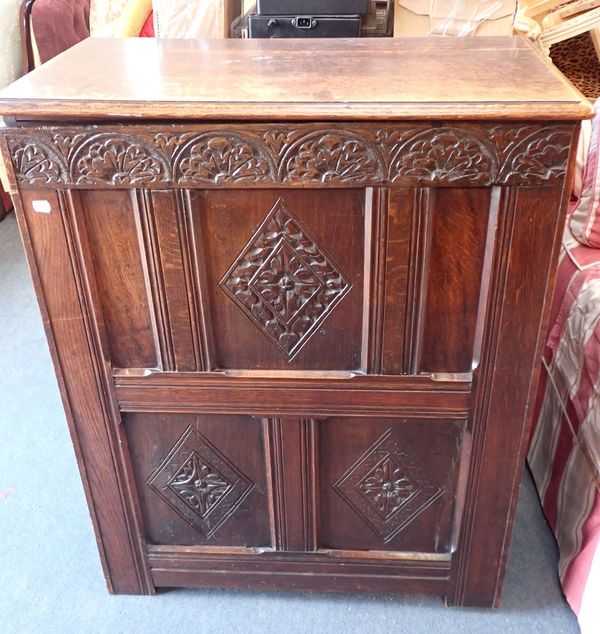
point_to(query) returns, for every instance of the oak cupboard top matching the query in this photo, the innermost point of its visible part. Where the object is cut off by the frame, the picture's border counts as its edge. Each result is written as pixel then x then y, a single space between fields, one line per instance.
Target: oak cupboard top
pixel 424 78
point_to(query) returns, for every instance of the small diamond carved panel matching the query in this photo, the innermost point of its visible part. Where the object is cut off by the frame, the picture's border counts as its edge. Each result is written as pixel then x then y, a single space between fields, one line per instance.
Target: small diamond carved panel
pixel 284 282
pixel 199 483
pixel 386 489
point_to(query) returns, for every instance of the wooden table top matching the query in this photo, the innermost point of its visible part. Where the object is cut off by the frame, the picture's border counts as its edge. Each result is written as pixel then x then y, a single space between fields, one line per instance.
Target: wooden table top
pixel 424 78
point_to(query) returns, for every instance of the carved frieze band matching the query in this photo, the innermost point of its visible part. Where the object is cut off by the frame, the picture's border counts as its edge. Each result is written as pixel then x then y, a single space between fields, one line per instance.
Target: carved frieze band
pixel 298 156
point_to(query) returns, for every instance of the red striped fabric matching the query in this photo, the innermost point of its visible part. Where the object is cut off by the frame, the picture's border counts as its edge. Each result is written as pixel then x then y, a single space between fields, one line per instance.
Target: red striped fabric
pixel 585 219
pixel 579 569
pixel 564 455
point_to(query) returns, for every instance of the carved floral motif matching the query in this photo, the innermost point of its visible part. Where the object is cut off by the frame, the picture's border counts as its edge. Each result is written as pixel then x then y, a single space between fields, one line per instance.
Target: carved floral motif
pixel 284 282
pixel 277 139
pixel 299 155
pixel 538 157
pixel 118 160
pixel 333 156
pixel 35 163
pixel 220 159
pixel 443 156
pixel 199 483
pixel 66 142
pixel 386 488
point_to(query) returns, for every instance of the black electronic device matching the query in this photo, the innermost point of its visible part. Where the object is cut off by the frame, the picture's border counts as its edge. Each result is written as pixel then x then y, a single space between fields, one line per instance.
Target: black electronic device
pixel 311 7
pixel 303 26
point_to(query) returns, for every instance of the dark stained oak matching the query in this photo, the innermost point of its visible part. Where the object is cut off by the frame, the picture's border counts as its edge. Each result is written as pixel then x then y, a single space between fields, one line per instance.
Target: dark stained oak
pixel 299 156
pixel 337 219
pixel 505 384
pixel 457 244
pixel 392 524
pixel 294 295
pixel 240 439
pixel 113 244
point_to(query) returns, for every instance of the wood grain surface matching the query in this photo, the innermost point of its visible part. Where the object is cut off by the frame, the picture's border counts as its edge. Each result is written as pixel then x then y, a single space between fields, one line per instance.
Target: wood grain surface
pixel 420 78
pixel 297 355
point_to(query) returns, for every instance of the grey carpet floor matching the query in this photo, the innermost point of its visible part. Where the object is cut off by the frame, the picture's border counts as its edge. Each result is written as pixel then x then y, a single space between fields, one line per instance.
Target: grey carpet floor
pixel 50 578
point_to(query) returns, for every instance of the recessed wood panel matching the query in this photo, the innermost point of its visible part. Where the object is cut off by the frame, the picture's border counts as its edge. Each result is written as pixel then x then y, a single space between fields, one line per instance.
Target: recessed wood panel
pixel 280 273
pixel 435 243
pixel 459 220
pixel 201 480
pixel 388 484
pixel 162 231
pixel 401 210
pixel 119 275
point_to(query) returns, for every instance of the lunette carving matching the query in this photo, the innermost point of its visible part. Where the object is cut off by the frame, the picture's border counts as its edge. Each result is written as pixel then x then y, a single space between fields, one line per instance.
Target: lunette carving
pixel 336 155
pixel 300 155
pixel 221 159
pixel 36 162
pixel 444 156
pixel 539 157
pixel 117 160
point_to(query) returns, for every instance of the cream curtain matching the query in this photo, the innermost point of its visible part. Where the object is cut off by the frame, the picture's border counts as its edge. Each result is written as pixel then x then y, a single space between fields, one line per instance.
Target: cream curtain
pixel 189 18
pixel 172 18
pixel 10 41
pixel 10 54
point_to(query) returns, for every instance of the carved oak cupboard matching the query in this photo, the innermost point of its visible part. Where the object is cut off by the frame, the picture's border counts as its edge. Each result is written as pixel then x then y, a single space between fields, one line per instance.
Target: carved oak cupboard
pixel 294 296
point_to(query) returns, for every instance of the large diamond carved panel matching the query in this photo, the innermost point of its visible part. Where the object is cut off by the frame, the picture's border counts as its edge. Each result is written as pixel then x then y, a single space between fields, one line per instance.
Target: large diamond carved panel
pixel 386 488
pixel 199 483
pixel 284 282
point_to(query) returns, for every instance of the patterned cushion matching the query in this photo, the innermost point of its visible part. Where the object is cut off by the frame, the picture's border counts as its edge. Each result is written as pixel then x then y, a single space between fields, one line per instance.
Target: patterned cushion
pixel 118 18
pixel 105 15
pixel 585 217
